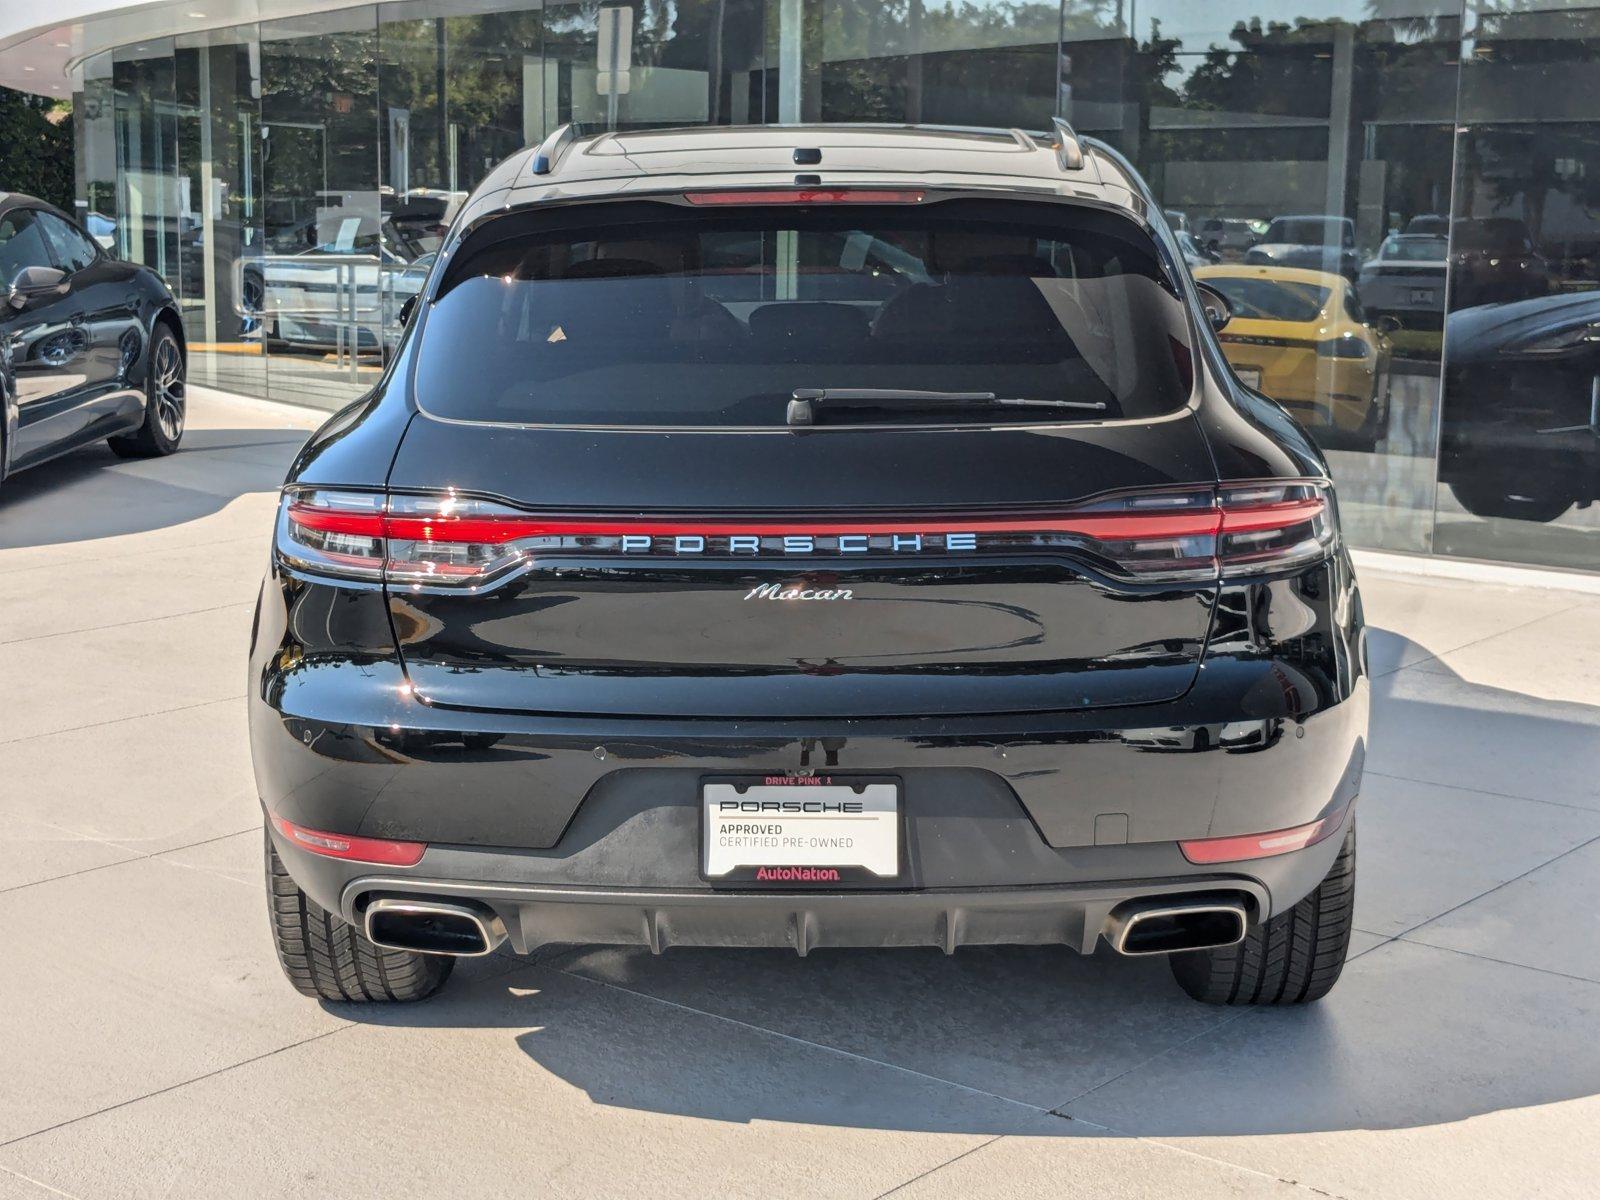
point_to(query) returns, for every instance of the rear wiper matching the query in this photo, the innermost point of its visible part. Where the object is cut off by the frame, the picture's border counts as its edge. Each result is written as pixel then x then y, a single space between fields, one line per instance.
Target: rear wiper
pixel 803 407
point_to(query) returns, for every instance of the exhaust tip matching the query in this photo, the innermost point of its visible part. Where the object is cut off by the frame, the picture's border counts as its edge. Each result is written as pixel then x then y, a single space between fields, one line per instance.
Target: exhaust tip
pixel 1169 928
pixel 433 927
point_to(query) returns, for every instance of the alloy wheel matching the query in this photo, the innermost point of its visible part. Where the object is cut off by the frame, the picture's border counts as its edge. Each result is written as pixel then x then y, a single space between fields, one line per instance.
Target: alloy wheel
pixel 168 388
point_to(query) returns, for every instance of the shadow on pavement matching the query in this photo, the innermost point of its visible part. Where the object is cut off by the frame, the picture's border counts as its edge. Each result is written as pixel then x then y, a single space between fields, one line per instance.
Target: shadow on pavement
pixel 91 493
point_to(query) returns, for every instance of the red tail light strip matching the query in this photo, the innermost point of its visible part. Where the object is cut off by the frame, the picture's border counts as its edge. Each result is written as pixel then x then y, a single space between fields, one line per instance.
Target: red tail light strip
pixel 454 541
pixel 494 530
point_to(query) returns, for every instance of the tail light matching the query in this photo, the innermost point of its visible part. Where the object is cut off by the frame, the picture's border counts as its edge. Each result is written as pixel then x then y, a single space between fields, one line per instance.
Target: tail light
pixel 461 543
pixel 1238 529
pixel 1346 346
pixel 439 540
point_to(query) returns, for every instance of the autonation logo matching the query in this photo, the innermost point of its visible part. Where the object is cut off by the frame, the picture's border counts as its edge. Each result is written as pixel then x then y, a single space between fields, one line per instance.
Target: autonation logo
pixel 797 875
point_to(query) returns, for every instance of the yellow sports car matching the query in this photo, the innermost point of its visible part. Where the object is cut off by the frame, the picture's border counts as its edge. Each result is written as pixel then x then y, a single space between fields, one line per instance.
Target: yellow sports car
pixel 1300 337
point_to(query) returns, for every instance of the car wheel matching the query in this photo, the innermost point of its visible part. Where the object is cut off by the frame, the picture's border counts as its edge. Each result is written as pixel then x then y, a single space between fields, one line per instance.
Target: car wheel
pixel 1294 958
pixel 1489 498
pixel 166 402
pixel 326 957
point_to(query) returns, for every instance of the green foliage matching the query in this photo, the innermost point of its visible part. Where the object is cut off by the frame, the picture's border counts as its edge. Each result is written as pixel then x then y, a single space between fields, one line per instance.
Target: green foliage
pixel 36 147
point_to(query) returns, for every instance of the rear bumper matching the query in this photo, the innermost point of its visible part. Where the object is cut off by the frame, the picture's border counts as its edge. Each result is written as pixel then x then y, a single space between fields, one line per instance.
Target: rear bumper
pixel 1073 915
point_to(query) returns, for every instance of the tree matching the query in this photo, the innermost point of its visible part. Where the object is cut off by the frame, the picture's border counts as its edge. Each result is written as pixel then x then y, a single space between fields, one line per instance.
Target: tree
pixel 36 147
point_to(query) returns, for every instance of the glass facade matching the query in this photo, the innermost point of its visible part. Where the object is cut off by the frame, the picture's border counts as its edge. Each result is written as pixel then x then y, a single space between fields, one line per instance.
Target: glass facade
pixel 1401 197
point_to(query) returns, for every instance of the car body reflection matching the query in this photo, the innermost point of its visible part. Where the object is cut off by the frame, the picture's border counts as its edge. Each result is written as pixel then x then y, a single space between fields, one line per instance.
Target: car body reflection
pixel 1301 337
pixel 1521 425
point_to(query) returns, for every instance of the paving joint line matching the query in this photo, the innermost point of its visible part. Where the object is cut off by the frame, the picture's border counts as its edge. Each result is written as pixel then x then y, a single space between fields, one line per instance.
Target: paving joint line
pixel 1504 962
pixel 921 1175
pixel 182 1083
pixel 160 712
pixel 16 1174
pixel 1433 655
pixel 1491 891
pixel 1222 1023
pixel 1459 787
pixel 134 856
pixel 1038 1110
pixel 97 559
pixel 191 612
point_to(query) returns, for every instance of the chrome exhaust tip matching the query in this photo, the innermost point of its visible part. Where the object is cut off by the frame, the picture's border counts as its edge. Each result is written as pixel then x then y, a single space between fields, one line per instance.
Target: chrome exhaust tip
pixel 433 927
pixel 1167 927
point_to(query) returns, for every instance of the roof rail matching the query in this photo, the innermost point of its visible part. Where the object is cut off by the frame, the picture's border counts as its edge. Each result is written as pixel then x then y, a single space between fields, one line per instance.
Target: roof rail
pixel 544 159
pixel 1069 154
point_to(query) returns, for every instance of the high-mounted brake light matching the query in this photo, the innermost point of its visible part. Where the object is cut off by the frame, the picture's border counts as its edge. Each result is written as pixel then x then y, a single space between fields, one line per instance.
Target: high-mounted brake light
pixel 811 195
pixel 450 541
pixel 352 849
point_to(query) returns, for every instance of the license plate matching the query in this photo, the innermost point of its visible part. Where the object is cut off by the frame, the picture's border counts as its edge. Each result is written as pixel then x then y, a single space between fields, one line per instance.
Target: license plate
pixel 800 831
pixel 1422 295
pixel 1249 376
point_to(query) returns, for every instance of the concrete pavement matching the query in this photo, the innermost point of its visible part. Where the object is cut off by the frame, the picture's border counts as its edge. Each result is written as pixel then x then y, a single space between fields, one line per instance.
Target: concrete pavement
pixel 151 1047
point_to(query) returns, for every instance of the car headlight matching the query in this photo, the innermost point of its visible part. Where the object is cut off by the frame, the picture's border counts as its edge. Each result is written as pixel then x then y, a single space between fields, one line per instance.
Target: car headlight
pixel 1348 346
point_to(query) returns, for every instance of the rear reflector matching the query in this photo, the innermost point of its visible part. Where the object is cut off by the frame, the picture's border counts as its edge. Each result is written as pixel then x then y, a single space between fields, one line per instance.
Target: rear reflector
pixel 444 540
pixel 352 849
pixel 1260 845
pixel 807 196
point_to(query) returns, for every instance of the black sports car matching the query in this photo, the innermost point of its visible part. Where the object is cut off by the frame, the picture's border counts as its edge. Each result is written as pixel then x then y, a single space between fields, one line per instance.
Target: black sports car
pixel 806 537
pixel 1520 428
pixel 90 347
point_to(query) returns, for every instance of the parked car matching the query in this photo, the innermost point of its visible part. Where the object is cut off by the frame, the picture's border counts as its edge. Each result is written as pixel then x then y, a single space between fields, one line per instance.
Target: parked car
pixel 1315 242
pixel 1493 261
pixel 1302 338
pixel 1520 428
pixel 1193 253
pixel 835 612
pixel 1405 280
pixel 90 347
pixel 1429 223
pixel 1228 235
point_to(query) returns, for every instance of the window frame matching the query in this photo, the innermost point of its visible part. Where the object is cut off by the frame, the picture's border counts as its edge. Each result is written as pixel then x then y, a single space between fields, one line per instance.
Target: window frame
pixel 44 238
pixel 45 216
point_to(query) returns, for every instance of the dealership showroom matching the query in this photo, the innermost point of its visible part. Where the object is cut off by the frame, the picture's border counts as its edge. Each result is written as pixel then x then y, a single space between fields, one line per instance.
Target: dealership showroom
pixel 1399 202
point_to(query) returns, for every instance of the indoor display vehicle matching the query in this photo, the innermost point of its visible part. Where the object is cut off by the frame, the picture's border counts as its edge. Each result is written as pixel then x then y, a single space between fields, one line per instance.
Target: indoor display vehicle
pixel 1302 338
pixel 1520 428
pixel 91 347
pixel 1493 261
pixel 1317 243
pixel 805 537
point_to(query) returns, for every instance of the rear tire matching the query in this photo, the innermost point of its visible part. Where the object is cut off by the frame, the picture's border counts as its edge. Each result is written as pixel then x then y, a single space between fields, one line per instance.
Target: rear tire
pixel 1490 498
pixel 165 402
pixel 1294 958
pixel 325 957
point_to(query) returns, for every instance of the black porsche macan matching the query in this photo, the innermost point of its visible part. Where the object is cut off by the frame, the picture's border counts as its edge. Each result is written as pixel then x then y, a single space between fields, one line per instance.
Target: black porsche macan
pixel 91 347
pixel 808 537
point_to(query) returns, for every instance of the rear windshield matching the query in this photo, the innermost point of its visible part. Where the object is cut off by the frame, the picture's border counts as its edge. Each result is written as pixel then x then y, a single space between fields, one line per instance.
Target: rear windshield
pixel 695 318
pixel 1310 231
pixel 1270 299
